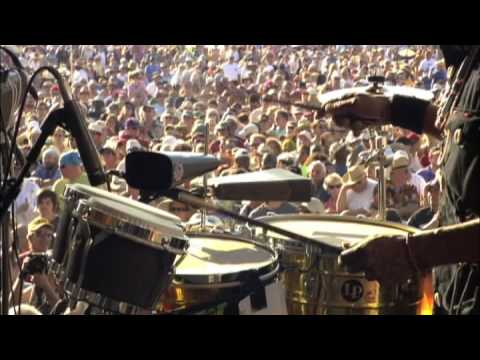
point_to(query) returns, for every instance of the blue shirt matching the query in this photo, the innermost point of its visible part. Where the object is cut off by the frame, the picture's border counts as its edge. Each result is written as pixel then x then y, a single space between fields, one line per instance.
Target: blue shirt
pixel 47 174
pixel 151 69
pixel 320 193
pixel 427 173
pixel 341 169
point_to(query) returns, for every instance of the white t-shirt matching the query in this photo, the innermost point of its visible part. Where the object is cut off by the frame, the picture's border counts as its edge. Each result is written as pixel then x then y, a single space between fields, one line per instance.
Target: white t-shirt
pixel 256 114
pixel 363 200
pixel 415 164
pixel 419 183
pixel 151 89
pixel 427 65
pixel 28 195
pixel 79 75
pixel 231 71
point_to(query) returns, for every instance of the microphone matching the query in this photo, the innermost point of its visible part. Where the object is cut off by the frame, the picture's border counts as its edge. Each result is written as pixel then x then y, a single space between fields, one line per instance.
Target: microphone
pixel 158 172
pixel 76 123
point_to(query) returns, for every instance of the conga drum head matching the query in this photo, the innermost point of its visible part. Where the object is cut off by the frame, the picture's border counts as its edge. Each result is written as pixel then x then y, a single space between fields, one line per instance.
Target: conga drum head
pixel 333 230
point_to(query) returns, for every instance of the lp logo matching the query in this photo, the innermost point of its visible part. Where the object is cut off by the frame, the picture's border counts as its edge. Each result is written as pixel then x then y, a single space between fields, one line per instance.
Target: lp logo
pixel 352 290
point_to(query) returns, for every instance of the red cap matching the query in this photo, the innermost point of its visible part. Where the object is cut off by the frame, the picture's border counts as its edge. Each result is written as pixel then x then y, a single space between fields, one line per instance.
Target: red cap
pixel 413 137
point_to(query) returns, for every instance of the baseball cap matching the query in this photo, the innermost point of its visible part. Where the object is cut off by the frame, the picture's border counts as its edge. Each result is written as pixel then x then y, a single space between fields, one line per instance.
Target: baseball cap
pixel 241 153
pixel 400 160
pixel 132 123
pixel 187 113
pixel 71 158
pixel 37 224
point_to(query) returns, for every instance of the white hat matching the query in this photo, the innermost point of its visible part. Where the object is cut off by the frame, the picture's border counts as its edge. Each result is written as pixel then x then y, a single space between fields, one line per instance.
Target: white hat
pixel 246 74
pixel 133 145
pixel 264 149
pixel 306 134
pixel 286 157
pixel 241 153
pixel 51 151
pixel 33 125
pixel 248 130
pixel 169 140
pixel 255 116
pixel 211 220
pixel 315 206
pixel 400 160
pixel 97 126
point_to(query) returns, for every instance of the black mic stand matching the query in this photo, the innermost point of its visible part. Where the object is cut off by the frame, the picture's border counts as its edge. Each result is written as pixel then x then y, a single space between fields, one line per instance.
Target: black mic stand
pixel 12 189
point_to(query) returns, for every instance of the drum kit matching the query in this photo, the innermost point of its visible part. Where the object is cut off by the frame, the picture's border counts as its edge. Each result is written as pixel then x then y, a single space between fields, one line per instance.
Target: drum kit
pixel 121 256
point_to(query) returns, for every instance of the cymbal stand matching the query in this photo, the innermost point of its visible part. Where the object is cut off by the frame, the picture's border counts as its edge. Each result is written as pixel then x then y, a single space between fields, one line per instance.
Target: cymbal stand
pixel 203 219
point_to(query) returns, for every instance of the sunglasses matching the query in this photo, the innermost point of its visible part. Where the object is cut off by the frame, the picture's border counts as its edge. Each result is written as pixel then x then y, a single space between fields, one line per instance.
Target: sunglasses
pixel 43 234
pixel 331 187
pixel 174 209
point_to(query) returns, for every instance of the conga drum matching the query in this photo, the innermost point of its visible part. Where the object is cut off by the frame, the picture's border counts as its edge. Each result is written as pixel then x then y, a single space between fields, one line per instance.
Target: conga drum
pixel 315 282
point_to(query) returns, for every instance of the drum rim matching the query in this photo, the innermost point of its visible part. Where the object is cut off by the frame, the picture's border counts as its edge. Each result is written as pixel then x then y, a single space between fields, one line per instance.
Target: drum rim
pixel 103 194
pixel 78 293
pixel 272 220
pixel 338 218
pixel 227 280
pixel 135 230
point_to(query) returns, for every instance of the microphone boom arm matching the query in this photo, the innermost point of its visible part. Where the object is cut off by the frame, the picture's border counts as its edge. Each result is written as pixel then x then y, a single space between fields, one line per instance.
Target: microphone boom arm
pixel 14 186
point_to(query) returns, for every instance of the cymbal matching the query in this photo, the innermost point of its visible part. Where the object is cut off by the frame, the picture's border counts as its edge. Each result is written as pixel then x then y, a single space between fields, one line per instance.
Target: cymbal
pixel 375 89
pixel 384 90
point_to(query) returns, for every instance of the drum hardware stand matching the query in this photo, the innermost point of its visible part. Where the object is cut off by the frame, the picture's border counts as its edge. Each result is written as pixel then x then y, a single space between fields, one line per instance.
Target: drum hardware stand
pixel 203 219
pixel 5 265
pixel 187 198
pixel 379 146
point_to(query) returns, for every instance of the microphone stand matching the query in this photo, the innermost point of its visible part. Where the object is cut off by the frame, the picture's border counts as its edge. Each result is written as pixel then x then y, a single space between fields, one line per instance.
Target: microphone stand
pixel 13 186
pixel 203 221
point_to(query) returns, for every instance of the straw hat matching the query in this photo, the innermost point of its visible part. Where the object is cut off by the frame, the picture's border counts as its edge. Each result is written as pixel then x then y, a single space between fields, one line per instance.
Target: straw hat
pixel 355 174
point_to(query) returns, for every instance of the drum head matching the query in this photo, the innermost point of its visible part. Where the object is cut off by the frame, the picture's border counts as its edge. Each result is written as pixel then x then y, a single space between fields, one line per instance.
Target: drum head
pixel 220 259
pixel 333 230
pixel 105 211
pixel 91 192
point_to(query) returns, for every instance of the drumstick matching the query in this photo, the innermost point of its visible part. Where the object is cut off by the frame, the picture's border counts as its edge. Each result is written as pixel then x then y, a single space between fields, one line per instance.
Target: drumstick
pixel 188 198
